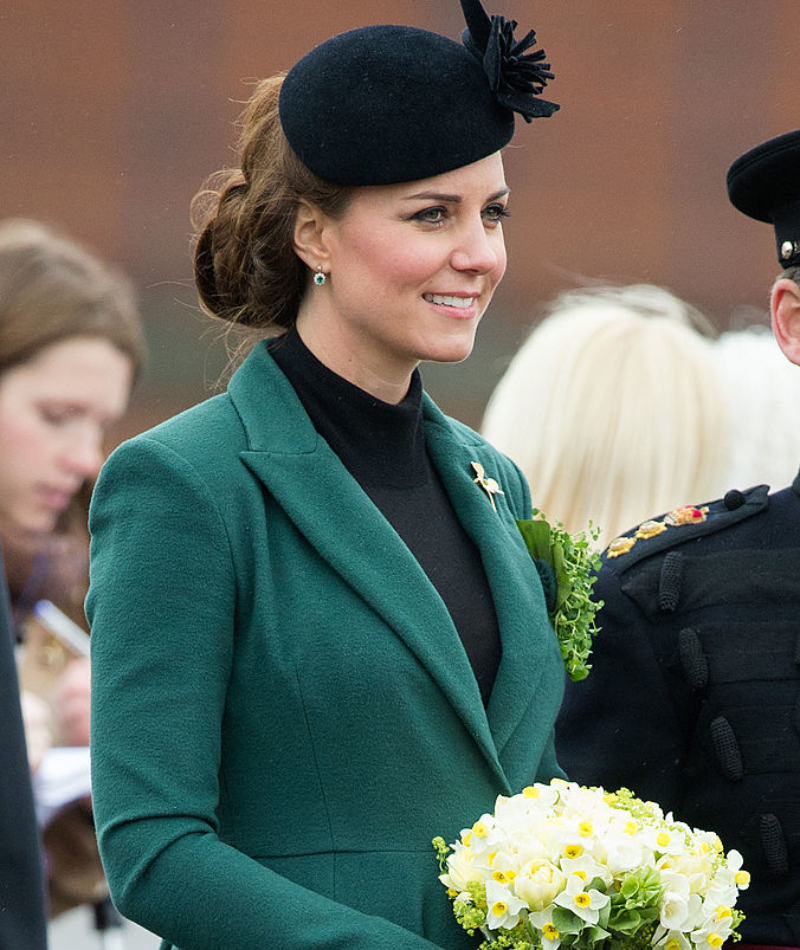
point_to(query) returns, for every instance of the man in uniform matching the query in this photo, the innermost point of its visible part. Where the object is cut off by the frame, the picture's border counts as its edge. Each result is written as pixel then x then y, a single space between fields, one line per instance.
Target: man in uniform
pixel 694 696
pixel 22 897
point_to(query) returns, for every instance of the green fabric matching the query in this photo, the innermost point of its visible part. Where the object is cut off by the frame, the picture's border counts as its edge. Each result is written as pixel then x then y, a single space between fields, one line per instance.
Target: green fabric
pixel 283 713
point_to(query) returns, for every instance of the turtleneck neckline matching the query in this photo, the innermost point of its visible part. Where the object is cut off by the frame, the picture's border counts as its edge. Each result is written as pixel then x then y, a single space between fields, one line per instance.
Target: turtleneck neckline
pixel 380 443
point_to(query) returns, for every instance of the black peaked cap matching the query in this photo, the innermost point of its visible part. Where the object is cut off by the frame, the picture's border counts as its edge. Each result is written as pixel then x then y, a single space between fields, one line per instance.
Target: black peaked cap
pixel 764 184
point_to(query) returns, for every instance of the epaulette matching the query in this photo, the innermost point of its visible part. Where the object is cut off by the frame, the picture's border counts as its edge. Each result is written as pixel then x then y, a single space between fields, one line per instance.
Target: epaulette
pixel 684 524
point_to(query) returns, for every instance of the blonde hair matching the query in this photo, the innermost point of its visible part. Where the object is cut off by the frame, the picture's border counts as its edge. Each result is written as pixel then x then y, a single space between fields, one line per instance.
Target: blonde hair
pixel 762 393
pixel 612 410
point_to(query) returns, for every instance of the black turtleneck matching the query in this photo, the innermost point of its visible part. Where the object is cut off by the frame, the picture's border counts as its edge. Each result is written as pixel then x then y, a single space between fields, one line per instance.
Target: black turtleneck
pixel 382 445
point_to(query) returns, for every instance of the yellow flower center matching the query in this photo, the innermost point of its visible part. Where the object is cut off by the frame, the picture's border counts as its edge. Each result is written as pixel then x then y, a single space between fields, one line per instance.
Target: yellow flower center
pixel 499 908
pixel 723 912
pixel 714 940
pixel 510 875
pixel 580 874
pixel 672 945
pixel 718 845
pixel 499 876
pixel 551 932
pixel 666 866
pixel 662 839
pixel 531 792
pixel 631 827
pixel 585 829
pixel 466 839
pixel 583 899
pixel 573 850
pixel 480 829
pixel 451 892
pixel 742 878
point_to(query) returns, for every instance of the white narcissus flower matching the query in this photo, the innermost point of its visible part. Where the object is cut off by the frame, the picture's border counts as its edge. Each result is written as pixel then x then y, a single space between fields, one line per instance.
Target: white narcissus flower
pixel 587 868
pixel 550 934
pixel 538 883
pixel 710 937
pixel 670 940
pixel 585 904
pixel 502 906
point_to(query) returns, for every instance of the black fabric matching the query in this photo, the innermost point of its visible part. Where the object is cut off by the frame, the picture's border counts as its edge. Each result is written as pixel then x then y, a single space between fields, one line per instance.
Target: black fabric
pixel 695 702
pixel 764 184
pixel 386 104
pixel 22 894
pixel 383 447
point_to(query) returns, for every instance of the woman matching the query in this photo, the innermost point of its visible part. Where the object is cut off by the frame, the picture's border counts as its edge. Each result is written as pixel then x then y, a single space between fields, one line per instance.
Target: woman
pixel 318 639
pixel 70 347
pixel 612 408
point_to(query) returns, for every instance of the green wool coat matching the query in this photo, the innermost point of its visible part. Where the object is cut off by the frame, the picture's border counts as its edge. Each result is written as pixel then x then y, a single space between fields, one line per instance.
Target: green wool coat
pixel 283 715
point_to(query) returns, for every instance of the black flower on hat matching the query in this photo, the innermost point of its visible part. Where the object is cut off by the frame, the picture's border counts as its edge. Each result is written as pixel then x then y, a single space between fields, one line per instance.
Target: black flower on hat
pixel 516 77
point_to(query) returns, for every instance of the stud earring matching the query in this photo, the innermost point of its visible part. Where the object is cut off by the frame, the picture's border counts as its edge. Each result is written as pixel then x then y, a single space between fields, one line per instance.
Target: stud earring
pixel 319 277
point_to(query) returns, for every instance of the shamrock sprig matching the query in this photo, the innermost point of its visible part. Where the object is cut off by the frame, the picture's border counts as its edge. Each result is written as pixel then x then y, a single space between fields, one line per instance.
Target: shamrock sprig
pixel 568 566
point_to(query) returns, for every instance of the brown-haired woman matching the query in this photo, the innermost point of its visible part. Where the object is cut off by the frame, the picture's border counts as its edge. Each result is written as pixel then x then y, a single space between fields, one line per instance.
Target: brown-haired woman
pixel 318 639
pixel 71 345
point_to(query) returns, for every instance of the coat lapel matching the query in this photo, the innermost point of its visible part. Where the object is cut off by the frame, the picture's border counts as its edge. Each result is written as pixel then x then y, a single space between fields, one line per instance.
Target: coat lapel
pixel 343 525
pixel 516 589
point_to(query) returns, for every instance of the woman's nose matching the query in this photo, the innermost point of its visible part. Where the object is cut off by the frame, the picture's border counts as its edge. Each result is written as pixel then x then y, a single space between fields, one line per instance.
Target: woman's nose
pixel 479 249
pixel 84 455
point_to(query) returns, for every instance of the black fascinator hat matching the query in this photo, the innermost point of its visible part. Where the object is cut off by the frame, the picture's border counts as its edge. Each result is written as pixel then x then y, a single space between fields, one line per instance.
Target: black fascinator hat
pixel 386 104
pixel 764 184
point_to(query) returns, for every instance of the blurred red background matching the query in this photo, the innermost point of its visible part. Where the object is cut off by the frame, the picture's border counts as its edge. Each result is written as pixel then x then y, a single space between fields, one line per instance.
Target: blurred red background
pixel 113 114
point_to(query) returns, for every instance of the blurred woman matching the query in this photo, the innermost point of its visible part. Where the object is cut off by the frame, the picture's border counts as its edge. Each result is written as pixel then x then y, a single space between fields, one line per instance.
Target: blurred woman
pixel 612 408
pixel 71 345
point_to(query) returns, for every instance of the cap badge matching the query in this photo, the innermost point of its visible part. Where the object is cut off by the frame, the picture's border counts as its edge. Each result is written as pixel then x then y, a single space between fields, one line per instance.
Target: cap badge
pixel 687 514
pixel 489 485
pixel 788 249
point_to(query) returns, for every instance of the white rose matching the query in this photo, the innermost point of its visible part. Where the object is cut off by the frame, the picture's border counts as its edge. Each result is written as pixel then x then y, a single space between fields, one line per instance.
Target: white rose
pixel 538 883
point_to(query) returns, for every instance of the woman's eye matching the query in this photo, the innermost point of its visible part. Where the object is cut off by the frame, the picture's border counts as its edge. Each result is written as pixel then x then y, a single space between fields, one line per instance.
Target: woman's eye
pixel 431 215
pixel 496 213
pixel 56 416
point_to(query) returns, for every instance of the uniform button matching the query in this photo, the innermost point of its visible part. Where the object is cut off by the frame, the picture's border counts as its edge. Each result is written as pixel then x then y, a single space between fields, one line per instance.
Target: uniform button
pixel 734 499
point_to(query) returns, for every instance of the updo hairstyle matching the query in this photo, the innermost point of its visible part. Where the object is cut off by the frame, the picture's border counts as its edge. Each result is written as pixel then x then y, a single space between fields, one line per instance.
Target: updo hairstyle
pixel 246 268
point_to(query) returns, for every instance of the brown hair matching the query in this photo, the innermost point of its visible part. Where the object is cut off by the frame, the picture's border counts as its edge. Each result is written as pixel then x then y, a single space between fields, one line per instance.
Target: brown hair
pixel 246 269
pixel 52 289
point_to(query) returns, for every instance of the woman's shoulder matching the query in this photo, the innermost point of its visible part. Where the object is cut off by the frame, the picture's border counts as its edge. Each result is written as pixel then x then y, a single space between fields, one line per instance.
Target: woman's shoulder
pixel 205 430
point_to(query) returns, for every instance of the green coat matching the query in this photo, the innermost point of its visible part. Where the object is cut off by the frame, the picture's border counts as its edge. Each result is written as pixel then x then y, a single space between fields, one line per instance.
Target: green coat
pixel 283 712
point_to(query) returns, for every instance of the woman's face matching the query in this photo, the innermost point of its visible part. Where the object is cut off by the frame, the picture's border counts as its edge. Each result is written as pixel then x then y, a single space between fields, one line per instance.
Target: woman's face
pixel 54 410
pixel 411 267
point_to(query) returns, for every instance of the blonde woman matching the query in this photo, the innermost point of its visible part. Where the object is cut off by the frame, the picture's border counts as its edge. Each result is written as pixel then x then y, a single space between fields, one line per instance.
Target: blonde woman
pixel 611 408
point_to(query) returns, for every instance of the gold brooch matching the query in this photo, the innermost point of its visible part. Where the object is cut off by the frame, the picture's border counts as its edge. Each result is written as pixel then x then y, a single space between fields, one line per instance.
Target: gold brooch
pixel 489 485
pixel 686 514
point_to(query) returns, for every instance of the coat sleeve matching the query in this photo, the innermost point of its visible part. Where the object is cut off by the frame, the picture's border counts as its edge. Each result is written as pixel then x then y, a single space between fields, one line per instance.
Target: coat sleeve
pixel 620 726
pixel 161 607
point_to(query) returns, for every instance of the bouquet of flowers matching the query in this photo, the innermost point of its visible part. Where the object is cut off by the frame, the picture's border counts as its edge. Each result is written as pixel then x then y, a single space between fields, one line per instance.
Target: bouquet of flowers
pixel 567 565
pixel 561 865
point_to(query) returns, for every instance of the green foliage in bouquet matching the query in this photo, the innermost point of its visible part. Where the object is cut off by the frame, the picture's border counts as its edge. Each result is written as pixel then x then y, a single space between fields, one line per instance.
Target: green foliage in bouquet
pixel 568 566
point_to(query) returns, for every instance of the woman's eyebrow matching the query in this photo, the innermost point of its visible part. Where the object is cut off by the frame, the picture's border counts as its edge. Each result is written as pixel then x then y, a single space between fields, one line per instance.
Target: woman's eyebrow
pixel 454 199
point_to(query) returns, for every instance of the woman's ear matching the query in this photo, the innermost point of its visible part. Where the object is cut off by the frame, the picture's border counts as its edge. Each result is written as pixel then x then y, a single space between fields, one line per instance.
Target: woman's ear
pixel 309 235
pixel 785 311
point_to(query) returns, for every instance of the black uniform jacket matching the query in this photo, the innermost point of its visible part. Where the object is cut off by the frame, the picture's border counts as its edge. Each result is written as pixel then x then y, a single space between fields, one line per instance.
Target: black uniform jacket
pixel 694 696
pixel 22 901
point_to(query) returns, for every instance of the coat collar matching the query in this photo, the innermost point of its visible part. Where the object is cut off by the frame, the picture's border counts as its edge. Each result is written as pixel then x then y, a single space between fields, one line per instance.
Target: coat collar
pixel 332 511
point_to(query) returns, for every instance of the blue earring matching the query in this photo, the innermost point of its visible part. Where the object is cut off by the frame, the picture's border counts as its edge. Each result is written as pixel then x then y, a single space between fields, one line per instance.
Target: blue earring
pixel 319 277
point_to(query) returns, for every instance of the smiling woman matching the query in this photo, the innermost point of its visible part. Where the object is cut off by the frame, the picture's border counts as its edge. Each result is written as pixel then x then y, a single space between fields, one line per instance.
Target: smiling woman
pixel 318 639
